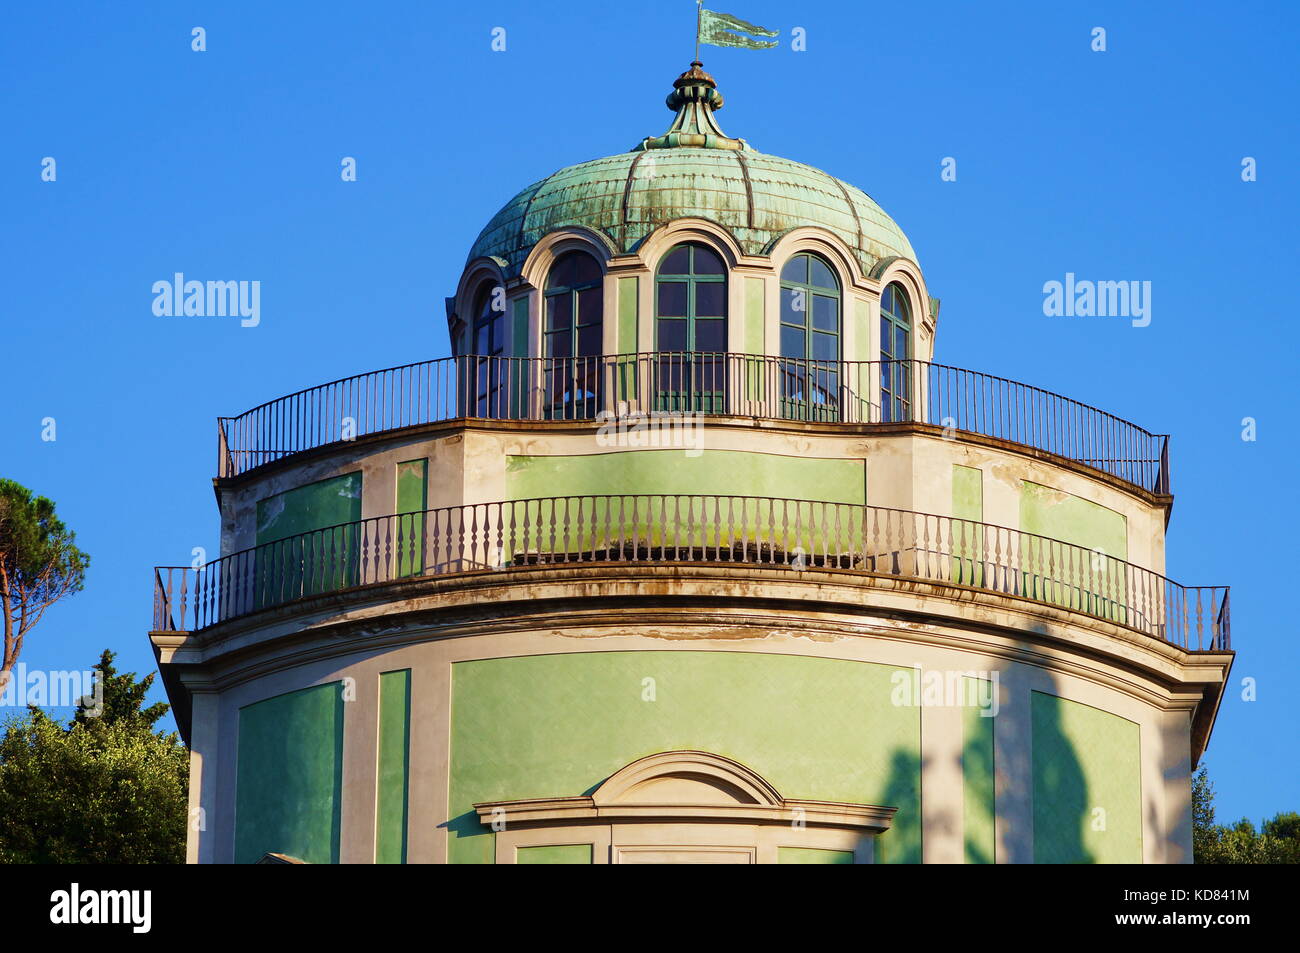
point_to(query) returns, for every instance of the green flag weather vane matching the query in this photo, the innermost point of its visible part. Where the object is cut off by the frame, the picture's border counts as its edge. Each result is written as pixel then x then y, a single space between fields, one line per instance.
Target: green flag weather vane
pixel 722 29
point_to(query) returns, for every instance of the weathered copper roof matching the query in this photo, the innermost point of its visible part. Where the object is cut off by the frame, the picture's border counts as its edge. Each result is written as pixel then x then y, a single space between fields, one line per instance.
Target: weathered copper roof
pixel 692 171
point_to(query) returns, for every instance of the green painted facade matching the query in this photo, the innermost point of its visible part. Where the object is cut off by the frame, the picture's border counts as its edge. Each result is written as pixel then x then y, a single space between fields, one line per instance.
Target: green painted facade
pixel 755 326
pixel 674 519
pixel 1093 581
pixel 304 533
pixel 289 776
pixel 967 493
pixel 1072 519
pixel 1087 784
pixel 308 508
pixel 556 725
pixel 673 471
pixel 979 811
pixel 627 316
pixel 967 544
pixel 392 795
pixel 412 500
pixel 812 855
pixel 557 854
pixel 519 327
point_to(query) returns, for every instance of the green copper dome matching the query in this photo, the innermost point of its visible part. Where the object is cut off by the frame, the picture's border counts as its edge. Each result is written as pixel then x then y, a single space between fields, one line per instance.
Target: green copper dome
pixel 692 171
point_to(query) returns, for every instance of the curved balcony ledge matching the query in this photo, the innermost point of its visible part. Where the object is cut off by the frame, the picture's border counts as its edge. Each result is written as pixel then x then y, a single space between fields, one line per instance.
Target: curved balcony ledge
pixel 798 536
pixel 865 394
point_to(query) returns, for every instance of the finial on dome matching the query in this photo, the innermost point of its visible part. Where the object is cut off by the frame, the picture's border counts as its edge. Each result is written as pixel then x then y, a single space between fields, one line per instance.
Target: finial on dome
pixel 694 98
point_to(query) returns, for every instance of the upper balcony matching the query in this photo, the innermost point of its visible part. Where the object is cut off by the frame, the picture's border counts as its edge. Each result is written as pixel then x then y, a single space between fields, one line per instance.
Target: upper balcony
pixel 856 394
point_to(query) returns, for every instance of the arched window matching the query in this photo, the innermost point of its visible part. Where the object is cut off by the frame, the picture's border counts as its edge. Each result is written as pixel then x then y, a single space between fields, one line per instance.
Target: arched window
pixel 487 341
pixel 573 335
pixel 691 329
pixel 810 339
pixel 895 354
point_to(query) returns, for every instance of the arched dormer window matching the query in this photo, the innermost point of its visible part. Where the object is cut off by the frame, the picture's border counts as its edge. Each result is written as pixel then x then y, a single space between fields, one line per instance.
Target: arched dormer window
pixel 691 330
pixel 573 336
pixel 895 354
pixel 810 339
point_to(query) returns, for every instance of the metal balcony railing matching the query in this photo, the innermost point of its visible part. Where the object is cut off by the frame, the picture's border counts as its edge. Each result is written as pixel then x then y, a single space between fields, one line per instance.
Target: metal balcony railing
pixel 797 535
pixel 738 385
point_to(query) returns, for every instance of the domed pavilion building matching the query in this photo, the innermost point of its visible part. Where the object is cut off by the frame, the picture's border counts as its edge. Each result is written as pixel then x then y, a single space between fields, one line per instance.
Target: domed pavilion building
pixel 690 553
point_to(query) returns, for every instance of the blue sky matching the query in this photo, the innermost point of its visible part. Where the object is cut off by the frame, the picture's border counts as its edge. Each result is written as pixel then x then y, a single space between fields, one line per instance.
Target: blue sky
pixel 1123 164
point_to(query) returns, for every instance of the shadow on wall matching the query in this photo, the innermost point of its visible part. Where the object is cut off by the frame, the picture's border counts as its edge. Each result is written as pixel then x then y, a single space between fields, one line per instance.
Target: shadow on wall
pixel 902 790
pixel 1057 793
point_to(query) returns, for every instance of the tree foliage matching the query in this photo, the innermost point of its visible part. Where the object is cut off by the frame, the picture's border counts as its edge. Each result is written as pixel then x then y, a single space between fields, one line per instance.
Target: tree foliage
pixel 105 789
pixel 1277 841
pixel 39 565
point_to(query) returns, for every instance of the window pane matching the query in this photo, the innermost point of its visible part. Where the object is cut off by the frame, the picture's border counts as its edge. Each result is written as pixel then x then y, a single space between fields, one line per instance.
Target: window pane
pixel 561 275
pixel 826 313
pixel 707 261
pixel 586 270
pixel 793 342
pixel 900 344
pixel 826 347
pixel 559 344
pixel 589 340
pixel 482 341
pixel 672 335
pixel 794 305
pixel 710 299
pixel 672 299
pixel 887 299
pixel 558 311
pixel 899 306
pixel 796 269
pixel 590 306
pixel 822 276
pixel 677 262
pixel 886 339
pixel 711 335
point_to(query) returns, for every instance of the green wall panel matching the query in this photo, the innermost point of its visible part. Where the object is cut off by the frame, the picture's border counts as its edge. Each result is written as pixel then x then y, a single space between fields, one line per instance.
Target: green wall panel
pixel 724 472
pixel 1087 784
pixel 1072 519
pixel 304 534
pixel 311 507
pixel 558 854
pixel 1089 581
pixel 289 776
pixel 557 725
pixel 967 504
pixel 978 807
pixel 627 316
pixel 967 493
pixel 412 500
pixel 392 806
pixel 704 523
pixel 519 327
pixel 755 325
pixel 812 855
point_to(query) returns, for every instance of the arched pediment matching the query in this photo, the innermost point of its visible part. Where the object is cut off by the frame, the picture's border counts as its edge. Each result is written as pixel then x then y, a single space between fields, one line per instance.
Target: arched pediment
pixel 680 776
pixel 685 786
